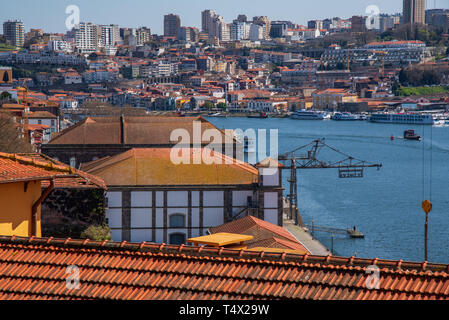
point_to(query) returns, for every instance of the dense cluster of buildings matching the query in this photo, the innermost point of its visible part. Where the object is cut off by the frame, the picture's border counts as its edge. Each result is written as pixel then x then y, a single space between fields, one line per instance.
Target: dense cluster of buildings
pixel 184 229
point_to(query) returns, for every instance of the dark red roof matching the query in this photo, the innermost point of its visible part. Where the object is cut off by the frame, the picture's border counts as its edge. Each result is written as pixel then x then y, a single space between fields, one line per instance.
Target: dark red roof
pixel 36 268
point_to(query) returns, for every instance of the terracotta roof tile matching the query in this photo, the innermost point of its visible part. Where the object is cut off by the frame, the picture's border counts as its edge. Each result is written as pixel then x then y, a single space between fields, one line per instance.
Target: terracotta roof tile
pixel 34 268
pixel 252 226
pixel 280 244
pixel 82 180
pixel 15 168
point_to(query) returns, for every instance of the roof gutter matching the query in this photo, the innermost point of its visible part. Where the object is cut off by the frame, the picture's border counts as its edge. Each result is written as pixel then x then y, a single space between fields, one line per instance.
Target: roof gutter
pixel 37 204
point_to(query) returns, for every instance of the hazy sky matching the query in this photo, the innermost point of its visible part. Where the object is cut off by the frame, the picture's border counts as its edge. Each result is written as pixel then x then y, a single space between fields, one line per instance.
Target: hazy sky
pixel 50 14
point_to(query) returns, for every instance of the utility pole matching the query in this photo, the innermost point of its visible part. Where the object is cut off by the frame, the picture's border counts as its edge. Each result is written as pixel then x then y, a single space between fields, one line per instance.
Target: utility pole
pixel 293 190
pixel 332 244
pixel 427 207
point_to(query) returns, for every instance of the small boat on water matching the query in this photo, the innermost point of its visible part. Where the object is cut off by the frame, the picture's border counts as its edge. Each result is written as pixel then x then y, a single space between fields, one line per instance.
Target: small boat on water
pixel 260 115
pixel 410 135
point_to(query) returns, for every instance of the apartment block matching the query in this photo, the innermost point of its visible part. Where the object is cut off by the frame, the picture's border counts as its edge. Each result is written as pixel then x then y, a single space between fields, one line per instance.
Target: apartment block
pixel 172 23
pixel 14 32
pixel 110 35
pixel 414 11
pixel 87 37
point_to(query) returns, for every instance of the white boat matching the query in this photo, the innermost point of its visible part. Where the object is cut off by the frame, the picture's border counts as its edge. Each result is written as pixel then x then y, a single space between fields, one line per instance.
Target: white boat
pixel 362 117
pixel 307 115
pixel 344 116
pixel 402 118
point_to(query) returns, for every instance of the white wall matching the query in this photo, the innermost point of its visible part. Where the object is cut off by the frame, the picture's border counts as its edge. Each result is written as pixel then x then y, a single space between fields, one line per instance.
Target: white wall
pixel 240 198
pixel 141 199
pixel 114 199
pixel 177 198
pixel 270 200
pixel 212 217
pixel 177 203
pixel 213 198
pixel 141 218
pixel 270 179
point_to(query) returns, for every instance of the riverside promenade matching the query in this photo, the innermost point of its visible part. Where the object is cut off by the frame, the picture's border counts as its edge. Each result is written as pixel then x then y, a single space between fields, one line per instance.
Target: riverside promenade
pixel 301 233
pixel 314 246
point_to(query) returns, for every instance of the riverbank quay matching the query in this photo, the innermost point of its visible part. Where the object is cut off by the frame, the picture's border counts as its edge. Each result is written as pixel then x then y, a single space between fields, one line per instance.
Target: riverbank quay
pixel 215 114
pixel 300 232
pixel 305 238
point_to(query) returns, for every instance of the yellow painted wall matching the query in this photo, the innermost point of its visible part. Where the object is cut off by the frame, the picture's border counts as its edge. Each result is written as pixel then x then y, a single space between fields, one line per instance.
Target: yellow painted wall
pixel 15 208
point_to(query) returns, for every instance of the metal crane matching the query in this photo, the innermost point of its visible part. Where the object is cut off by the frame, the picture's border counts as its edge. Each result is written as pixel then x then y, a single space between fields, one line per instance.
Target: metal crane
pixel 348 167
pixel 383 53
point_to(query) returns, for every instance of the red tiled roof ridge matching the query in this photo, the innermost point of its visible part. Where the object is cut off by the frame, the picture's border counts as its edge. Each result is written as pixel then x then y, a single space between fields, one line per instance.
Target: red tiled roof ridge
pixel 272 227
pixel 85 176
pixel 40 164
pixel 288 243
pixel 227 255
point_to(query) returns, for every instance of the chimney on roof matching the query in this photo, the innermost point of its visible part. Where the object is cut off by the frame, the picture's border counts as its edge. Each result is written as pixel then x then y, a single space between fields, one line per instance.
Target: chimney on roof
pixel 122 129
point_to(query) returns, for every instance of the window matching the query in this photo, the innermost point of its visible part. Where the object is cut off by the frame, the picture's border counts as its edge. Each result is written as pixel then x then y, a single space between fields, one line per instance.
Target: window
pixel 177 238
pixel 177 221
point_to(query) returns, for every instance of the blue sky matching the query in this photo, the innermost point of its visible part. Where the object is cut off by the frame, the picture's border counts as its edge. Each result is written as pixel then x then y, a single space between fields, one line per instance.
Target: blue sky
pixel 50 14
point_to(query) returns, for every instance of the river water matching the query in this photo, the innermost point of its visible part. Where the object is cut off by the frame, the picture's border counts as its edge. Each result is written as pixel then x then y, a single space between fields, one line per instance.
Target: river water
pixel 385 205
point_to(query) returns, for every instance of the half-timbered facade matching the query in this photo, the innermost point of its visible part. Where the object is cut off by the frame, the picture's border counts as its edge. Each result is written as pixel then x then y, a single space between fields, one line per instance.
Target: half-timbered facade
pixel 152 199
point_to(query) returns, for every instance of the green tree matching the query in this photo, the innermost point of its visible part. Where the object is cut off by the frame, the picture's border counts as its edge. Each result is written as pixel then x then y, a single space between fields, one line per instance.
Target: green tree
pixel 5 95
pixel 97 233
pixel 222 105
pixel 208 105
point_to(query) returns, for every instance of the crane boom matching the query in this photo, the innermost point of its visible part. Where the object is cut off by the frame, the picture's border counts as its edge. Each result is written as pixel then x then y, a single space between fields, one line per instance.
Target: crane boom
pixel 348 167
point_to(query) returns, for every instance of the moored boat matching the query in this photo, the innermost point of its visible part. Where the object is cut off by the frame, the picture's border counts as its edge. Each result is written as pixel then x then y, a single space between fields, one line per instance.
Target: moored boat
pixel 307 115
pixel 344 116
pixel 260 115
pixel 402 118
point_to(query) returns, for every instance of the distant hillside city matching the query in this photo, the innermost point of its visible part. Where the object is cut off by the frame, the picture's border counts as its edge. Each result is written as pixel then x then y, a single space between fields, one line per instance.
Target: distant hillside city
pixel 115 183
